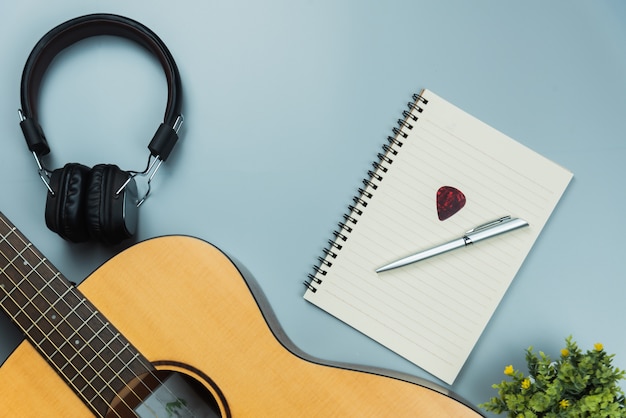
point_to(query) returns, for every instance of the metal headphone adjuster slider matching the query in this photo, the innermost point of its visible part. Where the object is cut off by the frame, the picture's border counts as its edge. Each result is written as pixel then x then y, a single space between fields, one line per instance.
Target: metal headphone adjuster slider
pixel 36 141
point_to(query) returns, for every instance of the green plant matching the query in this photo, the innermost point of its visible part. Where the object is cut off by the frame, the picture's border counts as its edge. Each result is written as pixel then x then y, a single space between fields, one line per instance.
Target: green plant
pixel 576 385
pixel 172 408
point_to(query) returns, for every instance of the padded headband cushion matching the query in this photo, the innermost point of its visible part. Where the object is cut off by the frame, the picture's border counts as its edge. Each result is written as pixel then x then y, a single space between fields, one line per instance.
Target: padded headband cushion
pixel 83 27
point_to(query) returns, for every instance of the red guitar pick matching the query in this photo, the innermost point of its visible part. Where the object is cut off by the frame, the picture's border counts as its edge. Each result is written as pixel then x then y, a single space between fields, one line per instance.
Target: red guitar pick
pixel 450 200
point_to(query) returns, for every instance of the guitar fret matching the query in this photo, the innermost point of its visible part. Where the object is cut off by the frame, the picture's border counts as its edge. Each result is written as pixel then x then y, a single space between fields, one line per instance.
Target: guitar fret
pixel 19 253
pixel 24 311
pixel 12 230
pixel 90 374
pixel 31 302
pixel 114 356
pixel 24 294
pixel 70 338
pixel 54 316
pixel 115 376
pixel 58 321
pixel 88 345
pixel 98 354
pixel 82 346
pixel 75 338
pixel 106 346
pixel 85 388
pixel 93 344
pixel 96 335
pixel 82 370
pixel 33 269
pixel 66 340
pixel 109 383
pixel 85 321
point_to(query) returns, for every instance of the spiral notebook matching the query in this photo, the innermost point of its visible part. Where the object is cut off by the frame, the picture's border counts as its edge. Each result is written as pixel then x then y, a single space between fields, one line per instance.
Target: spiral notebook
pixel 442 173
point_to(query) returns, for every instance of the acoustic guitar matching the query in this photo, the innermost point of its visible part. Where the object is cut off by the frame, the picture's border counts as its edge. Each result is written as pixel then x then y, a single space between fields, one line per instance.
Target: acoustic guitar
pixel 171 328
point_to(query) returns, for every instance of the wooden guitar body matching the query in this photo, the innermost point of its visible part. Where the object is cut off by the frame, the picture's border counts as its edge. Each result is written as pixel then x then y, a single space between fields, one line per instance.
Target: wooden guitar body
pixel 186 307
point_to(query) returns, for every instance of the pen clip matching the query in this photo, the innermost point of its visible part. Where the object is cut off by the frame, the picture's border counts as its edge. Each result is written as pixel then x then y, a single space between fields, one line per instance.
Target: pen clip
pixel 489 224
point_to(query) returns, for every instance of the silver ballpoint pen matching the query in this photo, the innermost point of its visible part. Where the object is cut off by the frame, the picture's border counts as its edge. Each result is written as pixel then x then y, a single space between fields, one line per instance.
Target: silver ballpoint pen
pixel 488 230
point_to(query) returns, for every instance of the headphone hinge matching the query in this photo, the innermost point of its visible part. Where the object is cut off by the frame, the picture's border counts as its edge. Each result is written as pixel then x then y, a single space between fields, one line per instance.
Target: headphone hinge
pixel 44 174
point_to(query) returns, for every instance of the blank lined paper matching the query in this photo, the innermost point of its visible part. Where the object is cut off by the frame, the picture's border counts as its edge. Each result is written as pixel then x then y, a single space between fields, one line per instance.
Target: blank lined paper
pixel 433 312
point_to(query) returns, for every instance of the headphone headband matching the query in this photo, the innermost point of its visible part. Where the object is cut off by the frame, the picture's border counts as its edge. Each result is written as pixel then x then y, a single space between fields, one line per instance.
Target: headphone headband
pixel 74 30
pixel 98 203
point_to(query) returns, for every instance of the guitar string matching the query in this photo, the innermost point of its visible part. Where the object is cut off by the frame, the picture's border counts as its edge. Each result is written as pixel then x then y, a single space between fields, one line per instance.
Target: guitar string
pixel 149 368
pixel 58 348
pixel 46 337
pixel 138 357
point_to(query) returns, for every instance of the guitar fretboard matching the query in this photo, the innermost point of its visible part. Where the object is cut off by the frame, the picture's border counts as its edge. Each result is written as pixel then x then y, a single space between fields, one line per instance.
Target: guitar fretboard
pixel 68 331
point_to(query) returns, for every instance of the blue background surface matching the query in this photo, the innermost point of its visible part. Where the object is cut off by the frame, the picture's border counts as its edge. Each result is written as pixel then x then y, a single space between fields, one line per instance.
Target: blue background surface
pixel 288 102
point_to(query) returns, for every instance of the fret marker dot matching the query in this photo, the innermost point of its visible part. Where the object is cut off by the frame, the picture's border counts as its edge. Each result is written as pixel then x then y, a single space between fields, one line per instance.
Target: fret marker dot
pixel 77 342
pixel 54 317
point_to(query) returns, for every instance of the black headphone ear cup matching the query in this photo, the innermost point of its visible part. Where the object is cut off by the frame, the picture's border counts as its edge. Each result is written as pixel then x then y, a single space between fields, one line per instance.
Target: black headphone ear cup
pixel 65 209
pixel 110 216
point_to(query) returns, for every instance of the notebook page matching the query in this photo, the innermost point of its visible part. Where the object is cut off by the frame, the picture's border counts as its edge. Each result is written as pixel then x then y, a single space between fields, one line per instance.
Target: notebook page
pixel 433 312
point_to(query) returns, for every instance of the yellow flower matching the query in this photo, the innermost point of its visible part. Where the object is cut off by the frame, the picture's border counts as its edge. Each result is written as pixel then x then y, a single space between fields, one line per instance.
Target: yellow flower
pixel 526 383
pixel 509 371
pixel 565 352
pixel 598 346
pixel 564 403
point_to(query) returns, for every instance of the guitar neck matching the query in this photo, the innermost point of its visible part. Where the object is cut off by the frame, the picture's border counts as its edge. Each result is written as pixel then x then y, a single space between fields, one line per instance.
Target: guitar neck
pixel 93 358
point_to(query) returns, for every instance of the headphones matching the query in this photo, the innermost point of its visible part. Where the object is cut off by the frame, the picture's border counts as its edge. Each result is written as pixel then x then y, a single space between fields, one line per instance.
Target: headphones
pixel 99 203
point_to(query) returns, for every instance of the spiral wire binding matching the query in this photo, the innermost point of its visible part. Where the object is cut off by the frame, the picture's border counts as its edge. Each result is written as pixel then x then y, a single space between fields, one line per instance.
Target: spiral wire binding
pixel 385 159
